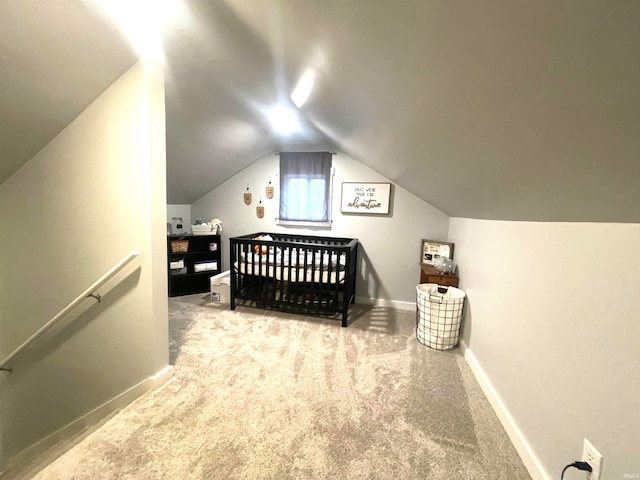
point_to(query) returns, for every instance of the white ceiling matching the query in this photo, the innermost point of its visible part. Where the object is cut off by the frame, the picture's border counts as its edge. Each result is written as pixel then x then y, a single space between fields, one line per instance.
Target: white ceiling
pixel 502 109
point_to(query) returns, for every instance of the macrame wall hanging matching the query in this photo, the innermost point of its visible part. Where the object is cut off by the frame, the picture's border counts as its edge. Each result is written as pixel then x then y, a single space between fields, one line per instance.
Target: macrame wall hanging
pixel 247 196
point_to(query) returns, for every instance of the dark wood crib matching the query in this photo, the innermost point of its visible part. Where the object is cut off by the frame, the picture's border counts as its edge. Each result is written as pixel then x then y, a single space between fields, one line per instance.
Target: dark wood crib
pixel 296 273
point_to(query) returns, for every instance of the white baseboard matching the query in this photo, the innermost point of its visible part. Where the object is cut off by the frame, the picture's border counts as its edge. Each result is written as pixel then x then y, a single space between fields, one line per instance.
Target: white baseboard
pixel 89 420
pixel 519 441
pixel 380 302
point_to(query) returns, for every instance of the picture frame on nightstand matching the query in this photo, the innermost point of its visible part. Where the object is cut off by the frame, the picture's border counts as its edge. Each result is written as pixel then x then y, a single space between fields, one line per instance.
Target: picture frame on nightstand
pixel 431 249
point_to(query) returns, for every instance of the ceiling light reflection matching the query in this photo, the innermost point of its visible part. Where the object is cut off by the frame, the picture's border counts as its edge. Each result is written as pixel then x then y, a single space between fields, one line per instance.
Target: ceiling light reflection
pixel 283 120
pixel 301 93
pixel 143 22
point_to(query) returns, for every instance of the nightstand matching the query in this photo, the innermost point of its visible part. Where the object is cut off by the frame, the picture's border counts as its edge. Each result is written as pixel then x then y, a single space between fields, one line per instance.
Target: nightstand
pixel 428 274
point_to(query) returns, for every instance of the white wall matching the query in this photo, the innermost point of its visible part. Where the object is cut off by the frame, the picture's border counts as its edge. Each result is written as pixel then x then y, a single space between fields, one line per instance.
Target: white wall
pixel 553 319
pixel 93 194
pixel 390 245
pixel 180 211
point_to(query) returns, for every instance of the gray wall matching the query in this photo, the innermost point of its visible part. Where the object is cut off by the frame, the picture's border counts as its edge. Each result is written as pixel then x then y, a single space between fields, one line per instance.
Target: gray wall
pixel 553 320
pixel 93 194
pixel 389 245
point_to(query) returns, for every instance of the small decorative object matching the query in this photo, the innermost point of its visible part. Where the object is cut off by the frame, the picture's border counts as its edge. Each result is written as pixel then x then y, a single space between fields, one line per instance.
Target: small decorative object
pixel 179 222
pixel 432 249
pixel 213 247
pixel 263 248
pixel 198 221
pixel 217 226
pixel 260 210
pixel 444 265
pixel 247 196
pixel 269 190
pixel 366 198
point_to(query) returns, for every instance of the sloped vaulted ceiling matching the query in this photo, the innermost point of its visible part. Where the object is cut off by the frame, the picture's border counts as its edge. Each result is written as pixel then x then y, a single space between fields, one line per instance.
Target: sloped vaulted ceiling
pixel 501 109
pixel 525 110
pixel 56 57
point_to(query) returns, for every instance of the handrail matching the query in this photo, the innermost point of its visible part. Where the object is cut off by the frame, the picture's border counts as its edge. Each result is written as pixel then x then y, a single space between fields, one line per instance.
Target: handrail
pixel 89 292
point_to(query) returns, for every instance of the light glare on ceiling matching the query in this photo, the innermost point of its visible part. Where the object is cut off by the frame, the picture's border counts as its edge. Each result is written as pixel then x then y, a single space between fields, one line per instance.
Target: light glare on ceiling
pixel 142 22
pixel 301 93
pixel 284 120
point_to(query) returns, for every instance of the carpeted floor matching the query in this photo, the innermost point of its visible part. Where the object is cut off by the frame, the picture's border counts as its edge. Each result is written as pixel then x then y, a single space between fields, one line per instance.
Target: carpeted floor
pixel 264 395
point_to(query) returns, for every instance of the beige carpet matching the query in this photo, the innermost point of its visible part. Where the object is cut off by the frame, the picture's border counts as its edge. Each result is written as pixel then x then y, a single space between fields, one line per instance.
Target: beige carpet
pixel 263 395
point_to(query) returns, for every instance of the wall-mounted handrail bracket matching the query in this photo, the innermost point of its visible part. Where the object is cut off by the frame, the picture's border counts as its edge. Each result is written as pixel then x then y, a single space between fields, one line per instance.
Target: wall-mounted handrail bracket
pixel 97 296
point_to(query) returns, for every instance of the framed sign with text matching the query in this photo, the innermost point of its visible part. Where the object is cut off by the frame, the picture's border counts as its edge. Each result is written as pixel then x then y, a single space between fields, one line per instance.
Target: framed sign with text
pixel 432 249
pixel 366 198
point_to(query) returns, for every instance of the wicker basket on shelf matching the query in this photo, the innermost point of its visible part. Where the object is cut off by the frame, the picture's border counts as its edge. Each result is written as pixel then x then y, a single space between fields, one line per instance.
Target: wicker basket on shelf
pixel 179 246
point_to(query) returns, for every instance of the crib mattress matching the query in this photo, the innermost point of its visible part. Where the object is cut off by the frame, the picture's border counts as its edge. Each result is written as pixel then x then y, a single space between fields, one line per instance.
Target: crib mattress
pixel 292 274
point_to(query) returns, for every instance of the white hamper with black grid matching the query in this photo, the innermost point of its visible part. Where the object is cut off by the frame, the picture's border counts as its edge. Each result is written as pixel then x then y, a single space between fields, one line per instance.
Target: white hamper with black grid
pixel 438 315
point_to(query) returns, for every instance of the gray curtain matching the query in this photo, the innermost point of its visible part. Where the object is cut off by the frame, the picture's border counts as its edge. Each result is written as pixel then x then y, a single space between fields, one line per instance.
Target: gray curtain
pixel 305 186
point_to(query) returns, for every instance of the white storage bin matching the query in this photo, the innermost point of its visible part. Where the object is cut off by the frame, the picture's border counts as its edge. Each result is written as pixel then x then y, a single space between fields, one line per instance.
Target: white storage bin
pixel 220 285
pixel 204 229
pixel 176 264
pixel 205 266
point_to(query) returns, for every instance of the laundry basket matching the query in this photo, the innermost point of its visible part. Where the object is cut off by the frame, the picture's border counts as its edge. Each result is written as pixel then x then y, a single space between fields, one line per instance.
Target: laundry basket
pixel 438 315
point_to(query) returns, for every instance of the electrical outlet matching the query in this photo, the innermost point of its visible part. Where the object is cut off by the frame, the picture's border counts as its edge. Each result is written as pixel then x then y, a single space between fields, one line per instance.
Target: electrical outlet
pixel 593 458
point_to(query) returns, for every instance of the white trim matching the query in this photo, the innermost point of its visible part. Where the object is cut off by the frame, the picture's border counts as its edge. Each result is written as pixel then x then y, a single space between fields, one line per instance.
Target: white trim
pixel 90 421
pixel 518 439
pixel 382 302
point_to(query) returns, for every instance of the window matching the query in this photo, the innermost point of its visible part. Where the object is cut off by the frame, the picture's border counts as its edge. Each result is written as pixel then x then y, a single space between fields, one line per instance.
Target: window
pixel 305 188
